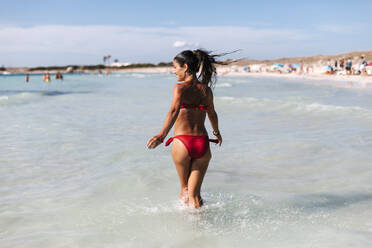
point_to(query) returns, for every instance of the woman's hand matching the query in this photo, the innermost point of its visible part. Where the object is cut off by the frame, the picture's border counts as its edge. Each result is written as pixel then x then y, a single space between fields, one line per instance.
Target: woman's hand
pixel 219 138
pixel 154 142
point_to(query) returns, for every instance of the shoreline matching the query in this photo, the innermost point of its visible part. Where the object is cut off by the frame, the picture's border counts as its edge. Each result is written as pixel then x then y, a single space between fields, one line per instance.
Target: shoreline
pixel 221 72
pixel 314 77
pixel 363 81
pixel 23 71
pixel 350 81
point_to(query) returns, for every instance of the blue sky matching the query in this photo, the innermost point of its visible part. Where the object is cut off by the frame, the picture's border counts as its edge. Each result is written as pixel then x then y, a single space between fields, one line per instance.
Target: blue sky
pixel 34 33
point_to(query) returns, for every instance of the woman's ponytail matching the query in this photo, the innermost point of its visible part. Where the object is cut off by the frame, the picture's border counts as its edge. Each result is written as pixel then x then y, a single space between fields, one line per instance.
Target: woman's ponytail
pixel 202 62
pixel 207 69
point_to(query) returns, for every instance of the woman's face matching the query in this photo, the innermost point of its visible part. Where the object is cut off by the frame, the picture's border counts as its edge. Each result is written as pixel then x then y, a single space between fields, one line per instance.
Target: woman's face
pixel 179 71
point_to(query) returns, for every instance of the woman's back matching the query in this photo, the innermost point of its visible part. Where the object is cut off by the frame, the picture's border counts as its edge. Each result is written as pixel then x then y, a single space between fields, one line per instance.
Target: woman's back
pixel 193 110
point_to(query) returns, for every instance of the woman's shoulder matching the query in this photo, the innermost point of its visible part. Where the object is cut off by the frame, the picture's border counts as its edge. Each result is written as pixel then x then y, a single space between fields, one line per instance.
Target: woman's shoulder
pixel 178 86
pixel 179 89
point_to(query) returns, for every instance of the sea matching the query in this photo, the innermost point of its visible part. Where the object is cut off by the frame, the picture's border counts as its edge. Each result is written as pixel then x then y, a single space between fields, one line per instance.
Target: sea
pixel 294 168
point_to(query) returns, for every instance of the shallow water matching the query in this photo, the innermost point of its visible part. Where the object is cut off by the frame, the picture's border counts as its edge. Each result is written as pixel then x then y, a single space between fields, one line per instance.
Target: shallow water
pixel 294 169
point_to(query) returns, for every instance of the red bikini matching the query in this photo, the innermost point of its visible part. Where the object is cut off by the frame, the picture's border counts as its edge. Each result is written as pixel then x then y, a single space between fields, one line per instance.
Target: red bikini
pixel 196 145
pixel 200 106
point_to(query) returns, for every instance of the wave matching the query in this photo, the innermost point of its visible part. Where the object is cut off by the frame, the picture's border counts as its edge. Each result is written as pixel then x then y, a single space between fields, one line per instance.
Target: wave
pixel 223 85
pixel 289 106
pixel 20 97
pixel 138 75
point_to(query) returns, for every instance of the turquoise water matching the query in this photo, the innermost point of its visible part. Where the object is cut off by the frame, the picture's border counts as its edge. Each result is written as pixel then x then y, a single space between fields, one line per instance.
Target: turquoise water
pixel 294 169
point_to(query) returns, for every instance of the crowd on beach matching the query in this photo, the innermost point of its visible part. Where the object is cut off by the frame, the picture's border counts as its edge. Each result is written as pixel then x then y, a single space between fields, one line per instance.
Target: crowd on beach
pixel 341 66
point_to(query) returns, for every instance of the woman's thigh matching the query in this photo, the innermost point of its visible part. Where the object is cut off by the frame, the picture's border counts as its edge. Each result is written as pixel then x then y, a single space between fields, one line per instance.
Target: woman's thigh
pixel 182 161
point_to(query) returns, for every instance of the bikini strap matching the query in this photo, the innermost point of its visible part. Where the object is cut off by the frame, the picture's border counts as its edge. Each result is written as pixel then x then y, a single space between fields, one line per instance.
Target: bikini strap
pixel 172 138
pixel 213 141
pixel 204 107
pixel 169 141
pixel 200 106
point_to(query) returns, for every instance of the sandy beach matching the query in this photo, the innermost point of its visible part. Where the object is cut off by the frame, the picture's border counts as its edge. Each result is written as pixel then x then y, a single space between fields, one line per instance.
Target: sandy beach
pixel 364 81
pixel 226 71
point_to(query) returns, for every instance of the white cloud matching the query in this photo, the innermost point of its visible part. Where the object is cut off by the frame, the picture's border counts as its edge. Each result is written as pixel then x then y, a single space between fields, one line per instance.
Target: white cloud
pixel 185 44
pixel 179 43
pixel 87 44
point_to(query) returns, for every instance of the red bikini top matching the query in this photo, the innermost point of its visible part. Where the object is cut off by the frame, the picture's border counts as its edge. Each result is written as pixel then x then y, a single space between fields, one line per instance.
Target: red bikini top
pixel 199 106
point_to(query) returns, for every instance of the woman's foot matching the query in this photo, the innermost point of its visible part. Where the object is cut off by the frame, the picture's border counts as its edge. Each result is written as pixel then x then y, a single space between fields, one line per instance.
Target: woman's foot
pixel 196 202
pixel 184 196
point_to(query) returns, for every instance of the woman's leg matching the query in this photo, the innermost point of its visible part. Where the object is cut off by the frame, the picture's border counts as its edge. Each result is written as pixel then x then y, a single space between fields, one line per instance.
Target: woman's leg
pixel 198 169
pixel 182 161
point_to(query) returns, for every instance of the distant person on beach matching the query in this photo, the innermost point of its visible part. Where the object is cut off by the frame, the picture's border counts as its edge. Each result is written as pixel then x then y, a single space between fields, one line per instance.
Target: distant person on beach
pixel 192 102
pixel 27 78
pixel 349 64
pixel 342 62
pixel 362 66
pixel 309 69
pixel 330 69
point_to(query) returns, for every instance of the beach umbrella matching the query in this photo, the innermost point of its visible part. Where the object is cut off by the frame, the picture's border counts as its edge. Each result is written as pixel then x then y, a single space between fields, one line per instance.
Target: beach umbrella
pixel 280 65
pixel 328 68
pixel 296 66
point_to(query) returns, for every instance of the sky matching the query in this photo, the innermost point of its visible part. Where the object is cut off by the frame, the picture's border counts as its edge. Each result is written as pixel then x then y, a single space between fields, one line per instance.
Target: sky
pixel 46 33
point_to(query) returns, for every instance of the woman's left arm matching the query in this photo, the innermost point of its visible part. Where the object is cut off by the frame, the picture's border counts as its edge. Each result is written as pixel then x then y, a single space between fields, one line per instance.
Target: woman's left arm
pixel 169 120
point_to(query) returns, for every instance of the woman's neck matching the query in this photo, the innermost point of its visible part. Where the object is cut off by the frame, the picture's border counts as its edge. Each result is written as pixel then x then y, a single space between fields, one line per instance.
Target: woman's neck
pixel 191 79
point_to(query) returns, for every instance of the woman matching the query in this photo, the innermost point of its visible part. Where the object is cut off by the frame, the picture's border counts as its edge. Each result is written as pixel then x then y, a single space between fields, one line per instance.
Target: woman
pixel 192 102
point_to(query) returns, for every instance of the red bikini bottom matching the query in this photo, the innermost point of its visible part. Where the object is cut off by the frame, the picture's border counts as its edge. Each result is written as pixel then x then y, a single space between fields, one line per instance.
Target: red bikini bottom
pixel 196 146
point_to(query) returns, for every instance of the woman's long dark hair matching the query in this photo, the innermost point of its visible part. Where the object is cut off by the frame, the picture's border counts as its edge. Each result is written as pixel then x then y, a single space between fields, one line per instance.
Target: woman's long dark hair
pixel 201 61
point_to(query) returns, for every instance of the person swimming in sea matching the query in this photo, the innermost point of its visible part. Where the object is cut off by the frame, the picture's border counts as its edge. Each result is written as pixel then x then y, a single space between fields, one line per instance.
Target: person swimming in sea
pixel 59 75
pixel 192 102
pixel 46 77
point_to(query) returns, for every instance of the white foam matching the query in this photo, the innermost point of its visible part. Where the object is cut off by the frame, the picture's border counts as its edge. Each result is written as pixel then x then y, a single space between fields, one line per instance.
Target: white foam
pixel 223 85
pixel 290 106
pixel 228 98
pixel 138 75
pixel 4 98
pixel 19 98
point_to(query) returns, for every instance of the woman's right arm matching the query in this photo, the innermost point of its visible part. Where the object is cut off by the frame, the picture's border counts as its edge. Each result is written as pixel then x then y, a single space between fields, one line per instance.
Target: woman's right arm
pixel 169 120
pixel 212 116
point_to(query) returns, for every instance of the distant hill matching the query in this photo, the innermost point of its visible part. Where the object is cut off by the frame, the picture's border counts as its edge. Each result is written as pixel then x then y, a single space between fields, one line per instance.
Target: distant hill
pixel 309 59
